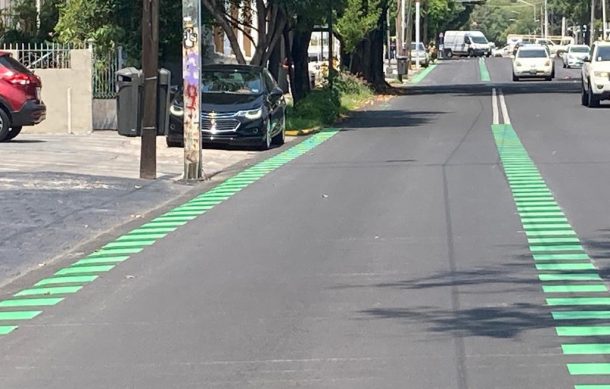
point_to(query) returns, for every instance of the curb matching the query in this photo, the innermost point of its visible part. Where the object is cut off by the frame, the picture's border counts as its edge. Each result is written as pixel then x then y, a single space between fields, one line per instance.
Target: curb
pixel 307 131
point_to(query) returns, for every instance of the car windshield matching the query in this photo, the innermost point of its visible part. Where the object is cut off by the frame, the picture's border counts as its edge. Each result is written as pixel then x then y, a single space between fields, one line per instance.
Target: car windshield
pixel 231 81
pixel 532 54
pixel 419 47
pixel 580 49
pixel 603 54
pixel 478 39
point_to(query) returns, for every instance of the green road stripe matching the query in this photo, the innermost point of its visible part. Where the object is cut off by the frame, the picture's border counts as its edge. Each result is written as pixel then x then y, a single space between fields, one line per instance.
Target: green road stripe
pixel 49 291
pixel 588 368
pixel 71 279
pixel 553 240
pixel 583 331
pixel 581 315
pixel 66 280
pixel 99 261
pixel 579 301
pixel 84 270
pixel 560 257
pixel 423 74
pixel 592 386
pixel 5 330
pixel 19 315
pixel 483 70
pixel 586 348
pixel 39 302
pixel 548 234
pixel 547 248
pixel 593 288
pixel 565 266
pixel 570 277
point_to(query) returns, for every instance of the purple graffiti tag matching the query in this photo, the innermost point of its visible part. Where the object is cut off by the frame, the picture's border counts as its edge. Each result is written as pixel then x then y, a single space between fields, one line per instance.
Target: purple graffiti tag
pixel 191 69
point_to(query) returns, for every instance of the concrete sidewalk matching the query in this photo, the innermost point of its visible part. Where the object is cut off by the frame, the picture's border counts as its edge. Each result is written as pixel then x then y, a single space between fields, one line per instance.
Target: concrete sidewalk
pixel 59 194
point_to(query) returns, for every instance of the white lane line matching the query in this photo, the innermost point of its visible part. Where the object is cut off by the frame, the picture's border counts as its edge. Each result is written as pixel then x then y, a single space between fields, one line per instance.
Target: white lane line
pixel 504 108
pixel 494 106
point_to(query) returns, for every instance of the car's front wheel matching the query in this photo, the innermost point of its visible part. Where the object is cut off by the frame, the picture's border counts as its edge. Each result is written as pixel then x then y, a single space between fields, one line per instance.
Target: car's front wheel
pixel 280 138
pixel 584 96
pixel 267 138
pixel 593 100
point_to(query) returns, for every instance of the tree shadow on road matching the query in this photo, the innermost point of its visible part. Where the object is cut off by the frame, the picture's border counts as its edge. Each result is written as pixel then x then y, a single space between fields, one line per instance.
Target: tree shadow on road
pixel 389 119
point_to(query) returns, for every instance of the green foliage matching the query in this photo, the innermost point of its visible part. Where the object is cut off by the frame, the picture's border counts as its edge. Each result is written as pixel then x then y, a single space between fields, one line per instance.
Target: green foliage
pixel 23 28
pixel 359 18
pixel 323 106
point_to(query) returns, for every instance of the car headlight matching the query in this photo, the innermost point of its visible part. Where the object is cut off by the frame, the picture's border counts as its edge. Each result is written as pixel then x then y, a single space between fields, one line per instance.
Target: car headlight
pixel 570 56
pixel 547 63
pixel 600 74
pixel 517 64
pixel 176 110
pixel 252 115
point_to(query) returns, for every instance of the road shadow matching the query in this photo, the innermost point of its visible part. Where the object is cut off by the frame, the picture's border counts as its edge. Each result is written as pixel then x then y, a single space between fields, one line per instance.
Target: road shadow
pixel 389 118
pixel 25 141
pixel 474 90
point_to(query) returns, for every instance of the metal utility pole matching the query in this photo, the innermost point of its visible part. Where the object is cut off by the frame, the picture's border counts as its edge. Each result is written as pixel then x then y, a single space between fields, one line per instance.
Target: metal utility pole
pixel 563 28
pixel 592 26
pixel 191 70
pixel 150 65
pixel 546 19
pixel 403 39
pixel 389 39
pixel 605 27
pixel 38 10
pixel 417 17
pixel 330 44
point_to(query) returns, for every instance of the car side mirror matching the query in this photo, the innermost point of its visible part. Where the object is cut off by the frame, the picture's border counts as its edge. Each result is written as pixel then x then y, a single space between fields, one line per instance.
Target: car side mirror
pixel 276 93
pixel 587 59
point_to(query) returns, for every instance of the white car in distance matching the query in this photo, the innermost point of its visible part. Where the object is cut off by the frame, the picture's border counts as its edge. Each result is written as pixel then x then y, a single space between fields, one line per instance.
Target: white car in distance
pixel 575 56
pixel 533 61
pixel 596 75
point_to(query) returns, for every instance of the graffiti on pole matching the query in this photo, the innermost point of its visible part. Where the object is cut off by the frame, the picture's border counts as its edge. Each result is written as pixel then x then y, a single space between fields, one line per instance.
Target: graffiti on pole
pixel 192 101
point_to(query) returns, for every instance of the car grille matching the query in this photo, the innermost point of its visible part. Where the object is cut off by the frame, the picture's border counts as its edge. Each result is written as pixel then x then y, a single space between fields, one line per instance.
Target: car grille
pixel 219 122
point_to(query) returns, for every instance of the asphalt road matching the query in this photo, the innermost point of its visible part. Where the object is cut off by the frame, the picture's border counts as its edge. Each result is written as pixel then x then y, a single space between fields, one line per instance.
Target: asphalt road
pixel 389 256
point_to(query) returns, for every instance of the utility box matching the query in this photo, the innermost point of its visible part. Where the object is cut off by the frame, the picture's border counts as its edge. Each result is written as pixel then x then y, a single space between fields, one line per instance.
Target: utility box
pixel 130 82
pixel 130 87
pixel 163 100
pixel 401 65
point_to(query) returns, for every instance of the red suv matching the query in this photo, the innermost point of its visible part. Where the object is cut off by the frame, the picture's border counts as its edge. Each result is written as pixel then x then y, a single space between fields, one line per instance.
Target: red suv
pixel 20 103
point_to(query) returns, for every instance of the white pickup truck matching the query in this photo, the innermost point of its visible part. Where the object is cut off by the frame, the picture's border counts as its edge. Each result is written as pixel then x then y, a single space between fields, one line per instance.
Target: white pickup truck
pixel 596 75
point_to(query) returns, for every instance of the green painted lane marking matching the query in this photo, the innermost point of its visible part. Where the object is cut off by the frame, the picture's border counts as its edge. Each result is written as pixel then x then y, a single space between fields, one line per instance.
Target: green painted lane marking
pixel 553 240
pixel 551 220
pixel 49 291
pixel 423 74
pixel 592 386
pixel 592 288
pixel 550 234
pixel 39 302
pixel 583 330
pixel 578 301
pixel 66 280
pixel 581 315
pixel 125 244
pixel 565 266
pixel 547 248
pixel 5 330
pixel 570 277
pixel 586 348
pixel 100 261
pixel 588 368
pixel 560 257
pixel 19 315
pixel 84 270
pixel 72 279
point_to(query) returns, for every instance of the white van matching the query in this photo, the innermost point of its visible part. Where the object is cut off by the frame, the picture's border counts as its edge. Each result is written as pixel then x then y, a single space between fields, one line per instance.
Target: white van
pixel 465 43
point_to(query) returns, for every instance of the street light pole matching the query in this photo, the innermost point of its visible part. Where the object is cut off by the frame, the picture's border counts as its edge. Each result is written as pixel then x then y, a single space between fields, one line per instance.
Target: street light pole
pixel 417 17
pixel 592 26
pixel 546 19
pixel 191 60
pixel 605 26
pixel 330 44
pixel 150 65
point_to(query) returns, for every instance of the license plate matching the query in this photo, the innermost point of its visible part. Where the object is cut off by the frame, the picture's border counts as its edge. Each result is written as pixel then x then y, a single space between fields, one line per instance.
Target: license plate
pixel 38 90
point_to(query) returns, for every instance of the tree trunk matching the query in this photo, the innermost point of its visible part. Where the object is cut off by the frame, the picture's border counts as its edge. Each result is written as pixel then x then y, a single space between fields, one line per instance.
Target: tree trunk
pixel 300 44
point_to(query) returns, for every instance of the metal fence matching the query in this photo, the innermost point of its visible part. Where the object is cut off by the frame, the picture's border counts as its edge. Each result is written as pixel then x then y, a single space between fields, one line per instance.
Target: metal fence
pixel 43 55
pixel 105 65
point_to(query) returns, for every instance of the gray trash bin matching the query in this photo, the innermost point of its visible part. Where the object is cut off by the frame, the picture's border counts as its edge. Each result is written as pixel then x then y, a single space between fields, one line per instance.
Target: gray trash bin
pixel 129 101
pixel 163 101
pixel 402 65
